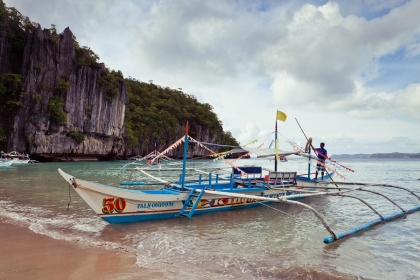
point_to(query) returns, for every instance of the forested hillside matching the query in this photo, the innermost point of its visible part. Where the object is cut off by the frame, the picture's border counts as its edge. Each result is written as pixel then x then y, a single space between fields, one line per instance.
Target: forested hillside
pixel 157 115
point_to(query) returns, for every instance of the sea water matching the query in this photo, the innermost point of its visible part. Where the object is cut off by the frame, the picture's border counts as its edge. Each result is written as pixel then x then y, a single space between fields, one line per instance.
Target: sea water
pixel 279 241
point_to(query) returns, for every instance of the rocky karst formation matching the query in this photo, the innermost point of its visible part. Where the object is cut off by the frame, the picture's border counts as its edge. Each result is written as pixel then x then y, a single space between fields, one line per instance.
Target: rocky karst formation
pixel 66 113
pixel 3 52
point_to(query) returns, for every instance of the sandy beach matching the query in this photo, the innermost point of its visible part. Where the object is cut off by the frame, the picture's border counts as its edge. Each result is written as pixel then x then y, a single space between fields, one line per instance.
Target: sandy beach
pixel 28 255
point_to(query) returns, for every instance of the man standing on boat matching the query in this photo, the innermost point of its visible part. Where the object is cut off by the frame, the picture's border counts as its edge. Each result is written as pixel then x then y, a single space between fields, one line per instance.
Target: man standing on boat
pixel 322 155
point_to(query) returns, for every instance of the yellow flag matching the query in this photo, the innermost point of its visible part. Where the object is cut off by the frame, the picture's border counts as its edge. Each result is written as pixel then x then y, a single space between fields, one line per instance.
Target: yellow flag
pixel 281 116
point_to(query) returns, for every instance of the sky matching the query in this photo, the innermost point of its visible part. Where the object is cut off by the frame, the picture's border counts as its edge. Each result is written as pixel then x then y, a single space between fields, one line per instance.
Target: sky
pixel 347 72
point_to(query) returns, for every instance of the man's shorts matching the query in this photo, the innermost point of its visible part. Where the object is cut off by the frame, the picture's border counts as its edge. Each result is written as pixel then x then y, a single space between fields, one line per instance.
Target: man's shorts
pixel 320 167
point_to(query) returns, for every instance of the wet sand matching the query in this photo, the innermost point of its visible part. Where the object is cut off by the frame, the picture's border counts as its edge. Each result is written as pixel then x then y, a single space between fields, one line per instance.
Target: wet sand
pixel 28 255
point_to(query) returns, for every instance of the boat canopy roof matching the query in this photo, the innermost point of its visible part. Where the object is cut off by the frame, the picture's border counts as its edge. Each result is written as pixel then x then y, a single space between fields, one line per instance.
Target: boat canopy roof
pixel 261 152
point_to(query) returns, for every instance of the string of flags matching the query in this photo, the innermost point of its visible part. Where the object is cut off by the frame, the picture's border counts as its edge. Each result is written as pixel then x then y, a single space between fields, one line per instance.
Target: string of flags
pixel 225 161
pixel 173 146
pixel 297 148
pixel 302 152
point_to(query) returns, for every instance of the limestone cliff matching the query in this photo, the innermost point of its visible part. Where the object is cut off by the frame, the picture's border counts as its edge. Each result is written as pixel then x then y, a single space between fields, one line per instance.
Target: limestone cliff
pixel 4 61
pixel 3 52
pixel 53 79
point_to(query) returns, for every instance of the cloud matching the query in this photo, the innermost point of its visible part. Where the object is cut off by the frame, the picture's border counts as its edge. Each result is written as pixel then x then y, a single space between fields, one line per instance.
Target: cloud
pixel 408 101
pixel 207 41
pixel 413 50
pixel 327 59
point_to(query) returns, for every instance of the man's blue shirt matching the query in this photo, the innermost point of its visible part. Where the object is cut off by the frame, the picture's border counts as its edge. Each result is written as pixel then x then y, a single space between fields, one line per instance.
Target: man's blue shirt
pixel 322 153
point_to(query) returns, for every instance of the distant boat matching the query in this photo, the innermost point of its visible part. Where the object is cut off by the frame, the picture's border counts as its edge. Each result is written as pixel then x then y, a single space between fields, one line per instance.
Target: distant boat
pixel 16 161
pixel 16 158
pixel 5 163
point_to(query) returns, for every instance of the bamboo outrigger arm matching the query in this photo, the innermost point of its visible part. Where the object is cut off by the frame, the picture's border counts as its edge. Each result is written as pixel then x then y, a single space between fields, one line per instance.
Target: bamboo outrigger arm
pixel 280 199
pixel 375 185
pixel 384 196
pixel 340 235
pixel 367 204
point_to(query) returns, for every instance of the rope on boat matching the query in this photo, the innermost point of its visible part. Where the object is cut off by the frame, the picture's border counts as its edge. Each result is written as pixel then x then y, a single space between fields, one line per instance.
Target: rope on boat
pixel 68 204
pixel 275 209
pixel 74 185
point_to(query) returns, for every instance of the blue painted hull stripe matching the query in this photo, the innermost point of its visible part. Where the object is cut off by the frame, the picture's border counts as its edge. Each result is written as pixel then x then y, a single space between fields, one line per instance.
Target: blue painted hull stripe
pixel 158 215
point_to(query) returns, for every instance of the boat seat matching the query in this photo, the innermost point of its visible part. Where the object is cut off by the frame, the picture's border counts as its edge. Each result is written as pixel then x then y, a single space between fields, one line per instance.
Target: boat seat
pixel 282 178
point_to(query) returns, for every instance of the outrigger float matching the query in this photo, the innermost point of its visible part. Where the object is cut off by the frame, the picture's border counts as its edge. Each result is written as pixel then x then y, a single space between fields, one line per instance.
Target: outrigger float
pixel 246 186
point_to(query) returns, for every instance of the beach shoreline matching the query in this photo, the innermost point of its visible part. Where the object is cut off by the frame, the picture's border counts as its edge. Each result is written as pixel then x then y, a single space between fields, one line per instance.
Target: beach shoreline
pixel 28 255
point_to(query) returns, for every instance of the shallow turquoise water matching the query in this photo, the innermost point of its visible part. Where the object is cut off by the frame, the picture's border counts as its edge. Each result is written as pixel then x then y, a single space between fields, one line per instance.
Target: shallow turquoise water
pixel 277 242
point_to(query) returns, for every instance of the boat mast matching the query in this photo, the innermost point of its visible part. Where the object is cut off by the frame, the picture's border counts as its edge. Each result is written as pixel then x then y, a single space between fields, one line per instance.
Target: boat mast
pixel 280 116
pixel 307 149
pixel 275 147
pixel 184 158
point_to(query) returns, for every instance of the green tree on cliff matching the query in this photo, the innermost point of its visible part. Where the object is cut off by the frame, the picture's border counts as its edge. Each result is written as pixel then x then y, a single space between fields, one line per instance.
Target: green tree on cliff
pixel 157 114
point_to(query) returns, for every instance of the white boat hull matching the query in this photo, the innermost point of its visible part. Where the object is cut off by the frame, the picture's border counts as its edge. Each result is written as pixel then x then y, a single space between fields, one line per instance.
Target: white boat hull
pixel 17 161
pixel 117 205
pixel 6 163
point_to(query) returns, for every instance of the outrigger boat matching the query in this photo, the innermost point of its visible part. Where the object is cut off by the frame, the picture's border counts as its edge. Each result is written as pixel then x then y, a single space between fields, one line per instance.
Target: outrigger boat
pixel 209 193
pixel 16 158
pixel 246 187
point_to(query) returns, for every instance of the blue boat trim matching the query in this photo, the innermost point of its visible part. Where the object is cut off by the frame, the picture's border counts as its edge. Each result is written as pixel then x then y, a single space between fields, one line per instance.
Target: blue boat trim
pixel 170 214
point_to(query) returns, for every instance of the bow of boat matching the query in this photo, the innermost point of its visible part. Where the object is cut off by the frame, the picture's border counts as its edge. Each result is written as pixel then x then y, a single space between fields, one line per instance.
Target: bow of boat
pixel 67 177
